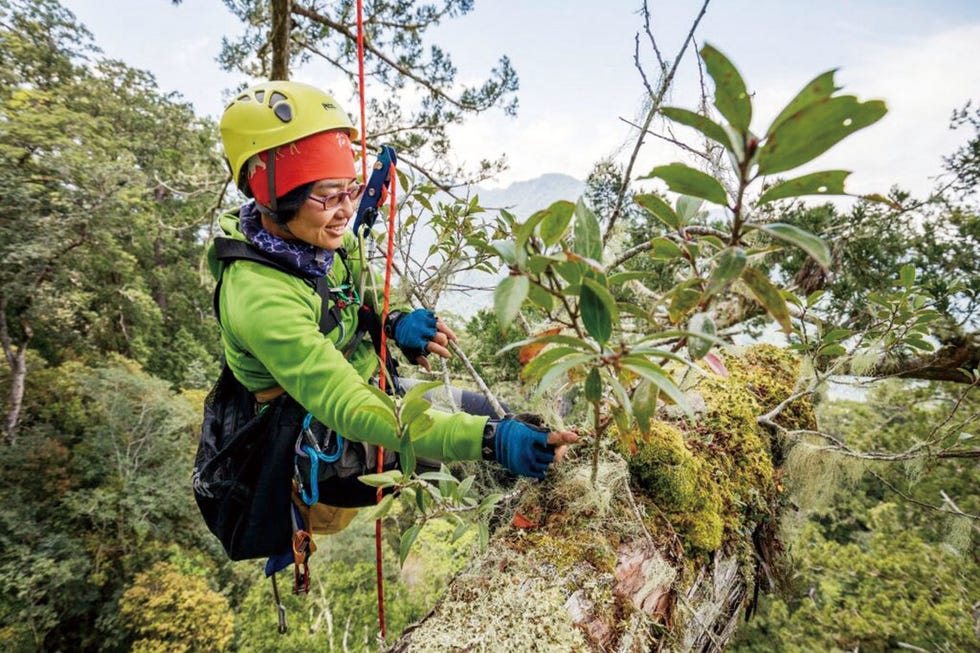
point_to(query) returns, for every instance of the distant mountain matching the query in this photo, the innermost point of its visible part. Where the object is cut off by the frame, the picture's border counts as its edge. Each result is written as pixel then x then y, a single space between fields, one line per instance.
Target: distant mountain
pixel 522 198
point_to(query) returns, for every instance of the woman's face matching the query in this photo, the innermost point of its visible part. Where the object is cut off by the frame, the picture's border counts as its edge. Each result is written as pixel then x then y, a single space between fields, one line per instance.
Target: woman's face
pixel 323 218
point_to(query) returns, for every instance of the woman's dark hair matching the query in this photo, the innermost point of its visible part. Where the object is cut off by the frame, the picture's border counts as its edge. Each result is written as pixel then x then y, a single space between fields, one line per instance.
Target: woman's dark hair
pixel 288 204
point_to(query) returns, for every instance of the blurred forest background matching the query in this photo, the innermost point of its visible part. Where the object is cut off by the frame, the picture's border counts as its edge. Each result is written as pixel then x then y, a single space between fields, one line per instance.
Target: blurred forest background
pixel 109 191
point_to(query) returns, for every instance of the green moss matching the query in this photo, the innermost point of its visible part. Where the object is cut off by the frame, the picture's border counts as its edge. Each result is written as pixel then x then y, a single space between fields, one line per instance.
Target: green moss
pixel 716 479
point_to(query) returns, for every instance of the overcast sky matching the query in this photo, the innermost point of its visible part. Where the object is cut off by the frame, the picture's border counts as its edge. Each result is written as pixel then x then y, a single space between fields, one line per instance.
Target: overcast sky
pixel 579 84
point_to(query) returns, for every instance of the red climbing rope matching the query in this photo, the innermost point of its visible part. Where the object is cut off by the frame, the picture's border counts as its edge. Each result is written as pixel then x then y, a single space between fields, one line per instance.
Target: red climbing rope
pixel 378 557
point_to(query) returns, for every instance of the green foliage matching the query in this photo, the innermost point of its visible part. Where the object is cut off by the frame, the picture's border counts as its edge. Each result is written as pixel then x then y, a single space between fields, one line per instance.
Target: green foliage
pixel 167 610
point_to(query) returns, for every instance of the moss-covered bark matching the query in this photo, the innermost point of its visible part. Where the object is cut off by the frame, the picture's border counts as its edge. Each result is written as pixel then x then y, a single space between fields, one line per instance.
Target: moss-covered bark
pixel 663 552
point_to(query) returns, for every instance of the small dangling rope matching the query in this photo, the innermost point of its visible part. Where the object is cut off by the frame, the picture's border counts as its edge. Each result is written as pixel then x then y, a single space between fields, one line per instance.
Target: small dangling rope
pixel 378 557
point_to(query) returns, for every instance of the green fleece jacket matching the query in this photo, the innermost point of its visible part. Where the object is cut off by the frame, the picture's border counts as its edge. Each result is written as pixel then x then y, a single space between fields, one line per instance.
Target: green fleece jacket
pixel 271 336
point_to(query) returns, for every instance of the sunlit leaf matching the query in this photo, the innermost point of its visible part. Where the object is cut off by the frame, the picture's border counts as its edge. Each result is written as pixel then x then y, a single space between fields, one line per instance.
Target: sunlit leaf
pixel 688 207
pixel 387 479
pixel 768 295
pixel 537 366
pixel 656 375
pixel 508 298
pixel 571 341
pixel 383 412
pixel 809 243
pixel 731 97
pixel 408 538
pixel 703 124
pixel 557 370
pixel 645 405
pixel 588 238
pixel 555 222
pixel 828 182
pixel 507 250
pixel 820 88
pixel 379 511
pixel 660 209
pixel 683 299
pixel 907 275
pixel 814 129
pixel 420 426
pixel 419 390
pixel 689 181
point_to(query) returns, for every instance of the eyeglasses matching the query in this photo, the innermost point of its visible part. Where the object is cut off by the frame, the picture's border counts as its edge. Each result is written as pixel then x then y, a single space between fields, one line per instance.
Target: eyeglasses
pixel 334 200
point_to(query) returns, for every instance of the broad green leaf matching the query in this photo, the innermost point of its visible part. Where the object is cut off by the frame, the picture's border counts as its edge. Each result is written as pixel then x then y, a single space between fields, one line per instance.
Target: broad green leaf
pixel 664 249
pixel 688 207
pixel 645 405
pixel 622 397
pixel 379 511
pixel 537 366
pixel 383 397
pixel 522 233
pixel 656 375
pixel 408 538
pixel 464 488
pixel 828 182
pixel 588 238
pixel 540 297
pixel 381 411
pixel 508 297
pixel 387 479
pixel 406 455
pixel 729 265
pixel 570 271
pixel 689 181
pixel 731 97
pixel 820 88
pixel 420 426
pixel 703 124
pixel 412 408
pixel 635 310
pixel 507 251
pixel 768 295
pixel 437 477
pixel 598 309
pixel 907 275
pixel 660 209
pixel 683 299
pixel 809 243
pixel 593 386
pixel 559 369
pixel 419 390
pixel 814 129
pixel 555 222
pixel 701 323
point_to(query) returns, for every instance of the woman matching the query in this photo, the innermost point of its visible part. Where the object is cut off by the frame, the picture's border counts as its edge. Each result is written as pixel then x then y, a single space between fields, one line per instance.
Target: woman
pixel 289 149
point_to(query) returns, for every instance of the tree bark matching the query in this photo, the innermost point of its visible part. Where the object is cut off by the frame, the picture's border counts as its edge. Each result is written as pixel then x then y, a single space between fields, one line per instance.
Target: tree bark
pixel 16 357
pixel 281 26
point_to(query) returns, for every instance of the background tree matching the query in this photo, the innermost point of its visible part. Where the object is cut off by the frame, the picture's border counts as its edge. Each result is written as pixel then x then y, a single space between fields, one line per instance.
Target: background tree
pixel 400 66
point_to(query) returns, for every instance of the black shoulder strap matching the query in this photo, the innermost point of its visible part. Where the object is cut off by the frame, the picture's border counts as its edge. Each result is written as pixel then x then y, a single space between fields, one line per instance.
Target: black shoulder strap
pixel 228 250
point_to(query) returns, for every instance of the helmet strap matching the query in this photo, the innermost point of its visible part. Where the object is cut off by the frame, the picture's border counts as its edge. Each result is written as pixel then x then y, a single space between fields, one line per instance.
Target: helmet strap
pixel 270 171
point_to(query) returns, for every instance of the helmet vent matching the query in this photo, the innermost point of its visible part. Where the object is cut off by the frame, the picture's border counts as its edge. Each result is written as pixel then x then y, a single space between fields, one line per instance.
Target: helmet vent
pixel 283 111
pixel 260 95
pixel 275 97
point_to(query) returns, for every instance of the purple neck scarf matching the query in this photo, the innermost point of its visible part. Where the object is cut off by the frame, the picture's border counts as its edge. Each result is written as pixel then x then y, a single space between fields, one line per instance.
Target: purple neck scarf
pixel 308 260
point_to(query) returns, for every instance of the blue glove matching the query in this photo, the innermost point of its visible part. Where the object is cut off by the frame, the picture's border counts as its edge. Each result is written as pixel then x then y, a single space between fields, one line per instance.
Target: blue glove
pixel 520 447
pixel 413 331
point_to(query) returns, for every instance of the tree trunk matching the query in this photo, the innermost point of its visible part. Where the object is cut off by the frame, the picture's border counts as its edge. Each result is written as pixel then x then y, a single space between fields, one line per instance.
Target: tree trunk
pixel 281 25
pixel 663 552
pixel 16 357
